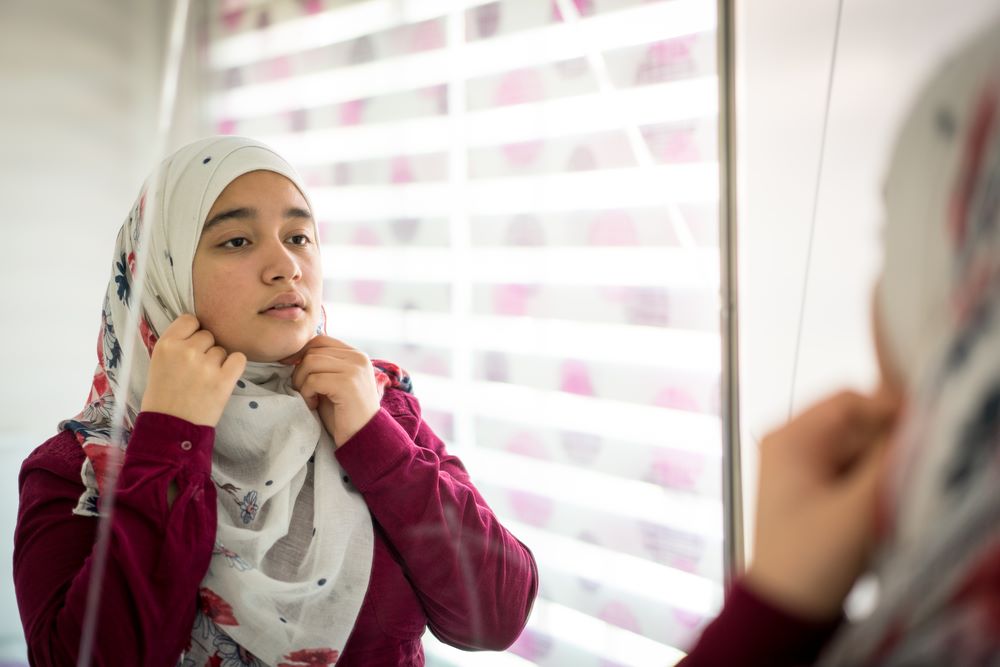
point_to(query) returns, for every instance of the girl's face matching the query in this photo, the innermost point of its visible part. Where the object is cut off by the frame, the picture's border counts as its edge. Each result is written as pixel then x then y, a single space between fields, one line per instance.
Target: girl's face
pixel 258 285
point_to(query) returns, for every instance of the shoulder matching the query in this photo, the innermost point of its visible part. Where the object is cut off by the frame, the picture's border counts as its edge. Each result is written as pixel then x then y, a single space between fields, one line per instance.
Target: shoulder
pixel 61 455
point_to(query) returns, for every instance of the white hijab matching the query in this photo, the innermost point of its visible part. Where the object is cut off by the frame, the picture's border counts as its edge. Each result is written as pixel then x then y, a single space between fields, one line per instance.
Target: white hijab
pixel 294 544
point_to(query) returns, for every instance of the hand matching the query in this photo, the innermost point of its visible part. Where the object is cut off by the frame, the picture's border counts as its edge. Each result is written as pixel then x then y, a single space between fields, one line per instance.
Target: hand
pixel 816 502
pixel 339 381
pixel 190 377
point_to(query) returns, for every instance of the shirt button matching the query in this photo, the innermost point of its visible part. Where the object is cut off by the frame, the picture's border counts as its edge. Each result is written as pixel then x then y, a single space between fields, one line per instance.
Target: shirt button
pixel 186 445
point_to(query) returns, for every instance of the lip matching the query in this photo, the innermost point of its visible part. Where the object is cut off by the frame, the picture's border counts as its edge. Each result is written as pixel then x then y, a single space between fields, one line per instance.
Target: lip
pixel 293 313
pixel 286 298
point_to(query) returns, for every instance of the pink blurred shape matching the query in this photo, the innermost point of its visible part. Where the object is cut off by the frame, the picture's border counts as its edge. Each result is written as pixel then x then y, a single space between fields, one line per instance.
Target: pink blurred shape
pixel 368 292
pixel 583 7
pixel 401 170
pixel 487 18
pixel 677 470
pixel 365 236
pixel 613 228
pixel 427 36
pixel 512 299
pixel 531 645
pixel 619 615
pixel 312 6
pixel 351 112
pixel 519 87
pixel 225 126
pixel 677 399
pixel 575 378
pixel 531 508
pixel 666 60
pixel 232 13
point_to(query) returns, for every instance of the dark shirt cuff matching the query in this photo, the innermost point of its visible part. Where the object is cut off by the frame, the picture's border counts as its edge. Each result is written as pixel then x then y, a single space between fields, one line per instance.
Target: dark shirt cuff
pixel 167 439
pixel 753 631
pixel 372 452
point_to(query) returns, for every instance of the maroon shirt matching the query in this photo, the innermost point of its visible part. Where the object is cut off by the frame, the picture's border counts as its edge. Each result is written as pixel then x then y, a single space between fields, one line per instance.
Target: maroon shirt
pixel 441 558
pixel 752 632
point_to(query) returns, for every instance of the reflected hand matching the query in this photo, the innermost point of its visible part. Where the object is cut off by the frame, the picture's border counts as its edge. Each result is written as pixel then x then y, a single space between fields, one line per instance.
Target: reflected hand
pixel 816 503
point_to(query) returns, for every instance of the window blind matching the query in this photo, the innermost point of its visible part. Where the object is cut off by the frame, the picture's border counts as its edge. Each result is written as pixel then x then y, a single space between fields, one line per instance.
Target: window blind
pixel 518 203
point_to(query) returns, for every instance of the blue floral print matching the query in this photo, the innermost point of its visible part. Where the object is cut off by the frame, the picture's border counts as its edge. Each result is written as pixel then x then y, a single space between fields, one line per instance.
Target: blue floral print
pixel 249 507
pixel 121 279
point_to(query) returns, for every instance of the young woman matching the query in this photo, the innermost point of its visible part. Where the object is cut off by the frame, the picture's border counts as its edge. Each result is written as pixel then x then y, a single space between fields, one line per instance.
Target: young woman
pixel 280 501
pixel 830 491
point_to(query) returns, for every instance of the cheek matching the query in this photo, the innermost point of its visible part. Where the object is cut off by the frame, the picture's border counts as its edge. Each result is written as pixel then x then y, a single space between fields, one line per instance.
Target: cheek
pixel 216 295
pixel 313 277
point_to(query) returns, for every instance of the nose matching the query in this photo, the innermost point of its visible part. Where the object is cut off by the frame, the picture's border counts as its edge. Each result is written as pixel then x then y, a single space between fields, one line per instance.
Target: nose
pixel 280 264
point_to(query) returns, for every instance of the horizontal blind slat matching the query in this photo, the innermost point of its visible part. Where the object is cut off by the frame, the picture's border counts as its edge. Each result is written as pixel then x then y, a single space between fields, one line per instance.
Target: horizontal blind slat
pixel 559 42
pixel 657 347
pixel 565 117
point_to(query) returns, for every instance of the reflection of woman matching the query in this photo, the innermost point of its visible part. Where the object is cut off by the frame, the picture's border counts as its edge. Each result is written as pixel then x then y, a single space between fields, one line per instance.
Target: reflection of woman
pixel 280 500
pixel 930 504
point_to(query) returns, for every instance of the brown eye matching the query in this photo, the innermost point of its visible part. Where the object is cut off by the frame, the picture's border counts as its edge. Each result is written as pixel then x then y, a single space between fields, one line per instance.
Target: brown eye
pixel 238 242
pixel 300 239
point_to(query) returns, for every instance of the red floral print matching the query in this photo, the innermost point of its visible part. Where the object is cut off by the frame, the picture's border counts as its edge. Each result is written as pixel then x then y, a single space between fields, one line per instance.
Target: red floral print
pixel 979 591
pixel 311 657
pixel 100 385
pixel 148 337
pixel 99 456
pixel 216 608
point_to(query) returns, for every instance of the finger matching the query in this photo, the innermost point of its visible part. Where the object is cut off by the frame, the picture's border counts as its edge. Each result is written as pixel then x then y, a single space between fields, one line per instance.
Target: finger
pixel 202 340
pixel 326 342
pixel 309 395
pixel 861 488
pixel 216 356
pixel 842 426
pixel 316 343
pixel 321 384
pixel 182 327
pixel 317 364
pixel 868 425
pixel 233 367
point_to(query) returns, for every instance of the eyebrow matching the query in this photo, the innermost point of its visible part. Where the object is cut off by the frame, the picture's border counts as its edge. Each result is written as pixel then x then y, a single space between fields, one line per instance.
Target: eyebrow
pixel 244 213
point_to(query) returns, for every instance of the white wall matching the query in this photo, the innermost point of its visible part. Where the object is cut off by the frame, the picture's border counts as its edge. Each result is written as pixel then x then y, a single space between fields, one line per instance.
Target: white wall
pixel 79 84
pixel 887 47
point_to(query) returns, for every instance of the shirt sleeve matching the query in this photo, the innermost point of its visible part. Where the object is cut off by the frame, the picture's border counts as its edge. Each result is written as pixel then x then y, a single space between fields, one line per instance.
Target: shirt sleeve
pixel 475 580
pixel 752 632
pixel 157 555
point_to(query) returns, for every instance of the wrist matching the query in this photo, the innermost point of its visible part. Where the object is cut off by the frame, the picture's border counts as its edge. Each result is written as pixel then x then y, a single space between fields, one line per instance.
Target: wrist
pixel 347 429
pixel 783 587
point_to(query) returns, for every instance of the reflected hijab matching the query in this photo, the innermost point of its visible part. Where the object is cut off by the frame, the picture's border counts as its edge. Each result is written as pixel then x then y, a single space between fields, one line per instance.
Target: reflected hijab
pixel 938 565
pixel 293 550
